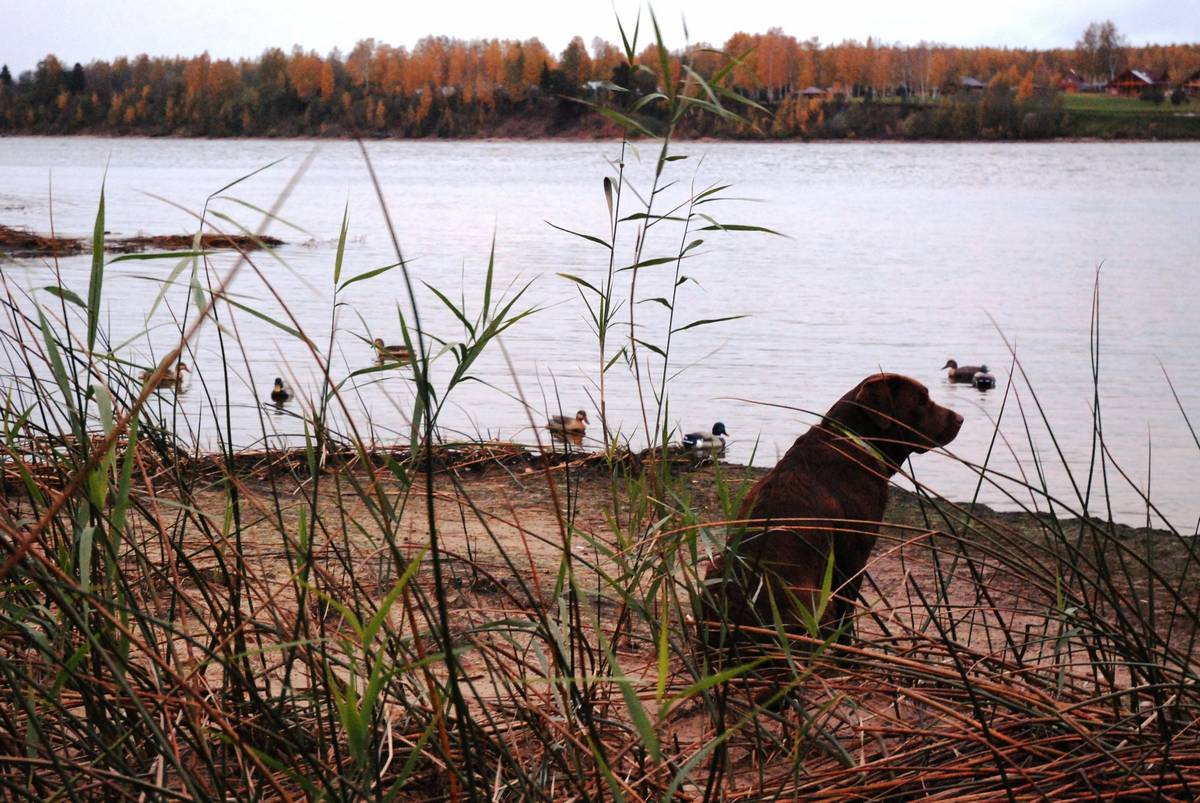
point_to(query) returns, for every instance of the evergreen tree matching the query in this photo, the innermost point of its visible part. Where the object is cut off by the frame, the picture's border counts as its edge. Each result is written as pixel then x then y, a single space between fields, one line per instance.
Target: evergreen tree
pixel 76 81
pixel 5 76
pixel 575 64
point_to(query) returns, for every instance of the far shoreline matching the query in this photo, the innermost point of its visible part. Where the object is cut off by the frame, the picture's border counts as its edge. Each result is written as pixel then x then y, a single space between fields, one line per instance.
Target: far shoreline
pixel 615 140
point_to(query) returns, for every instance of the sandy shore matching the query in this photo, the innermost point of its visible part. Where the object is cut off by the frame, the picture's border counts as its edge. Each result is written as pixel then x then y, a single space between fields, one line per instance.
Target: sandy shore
pixel 498 524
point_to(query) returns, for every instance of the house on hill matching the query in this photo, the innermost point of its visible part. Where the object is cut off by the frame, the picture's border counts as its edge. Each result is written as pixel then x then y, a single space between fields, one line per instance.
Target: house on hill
pixel 1073 82
pixel 1191 84
pixel 969 84
pixel 1135 82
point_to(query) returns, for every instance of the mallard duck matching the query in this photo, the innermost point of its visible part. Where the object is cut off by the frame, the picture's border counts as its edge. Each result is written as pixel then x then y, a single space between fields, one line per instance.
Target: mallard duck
pixel 169 378
pixel 386 352
pixel 965 373
pixel 705 442
pixel 281 392
pixel 983 380
pixel 562 425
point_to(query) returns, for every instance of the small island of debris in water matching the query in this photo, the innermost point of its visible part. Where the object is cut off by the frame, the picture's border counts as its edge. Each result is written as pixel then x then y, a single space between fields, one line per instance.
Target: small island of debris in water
pixel 24 244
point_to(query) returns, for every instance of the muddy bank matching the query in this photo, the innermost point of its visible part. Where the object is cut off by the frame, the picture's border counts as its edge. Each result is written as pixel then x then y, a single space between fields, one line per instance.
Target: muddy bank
pixel 24 244
pixel 505 514
pixel 501 521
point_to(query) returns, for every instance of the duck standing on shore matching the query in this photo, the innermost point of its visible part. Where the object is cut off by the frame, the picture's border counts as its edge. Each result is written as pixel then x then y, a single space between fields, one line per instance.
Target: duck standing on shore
pixel 281 392
pixel 707 444
pixel 169 379
pixel 392 353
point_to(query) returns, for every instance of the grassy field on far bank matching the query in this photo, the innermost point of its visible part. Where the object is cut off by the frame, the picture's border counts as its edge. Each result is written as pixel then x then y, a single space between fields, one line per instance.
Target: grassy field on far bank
pixel 1123 117
pixel 1100 103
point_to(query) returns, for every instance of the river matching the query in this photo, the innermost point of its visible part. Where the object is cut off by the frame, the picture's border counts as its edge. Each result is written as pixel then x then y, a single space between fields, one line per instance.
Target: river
pixel 896 256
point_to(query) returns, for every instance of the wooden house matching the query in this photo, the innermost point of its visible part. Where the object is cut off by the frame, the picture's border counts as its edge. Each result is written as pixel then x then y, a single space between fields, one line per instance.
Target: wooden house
pixel 1073 82
pixel 969 84
pixel 1135 82
pixel 1191 84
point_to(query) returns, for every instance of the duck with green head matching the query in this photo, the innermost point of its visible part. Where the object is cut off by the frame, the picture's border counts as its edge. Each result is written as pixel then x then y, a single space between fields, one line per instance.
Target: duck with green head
pixel 706 443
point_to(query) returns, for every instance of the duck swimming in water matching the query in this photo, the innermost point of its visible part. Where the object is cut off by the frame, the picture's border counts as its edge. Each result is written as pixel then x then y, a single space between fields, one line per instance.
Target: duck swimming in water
pixel 386 352
pixel 964 373
pixel 280 393
pixel 983 380
pixel 170 379
pixel 706 443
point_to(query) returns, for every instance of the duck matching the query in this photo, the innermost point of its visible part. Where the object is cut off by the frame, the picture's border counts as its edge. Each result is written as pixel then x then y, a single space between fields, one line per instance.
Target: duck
pixel 280 393
pixel 983 380
pixel 964 373
pixel 562 425
pixel 169 379
pixel 386 352
pixel 706 443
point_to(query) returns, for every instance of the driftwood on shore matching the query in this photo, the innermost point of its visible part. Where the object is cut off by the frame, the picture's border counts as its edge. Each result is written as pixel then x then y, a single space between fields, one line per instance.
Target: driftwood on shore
pixel 24 244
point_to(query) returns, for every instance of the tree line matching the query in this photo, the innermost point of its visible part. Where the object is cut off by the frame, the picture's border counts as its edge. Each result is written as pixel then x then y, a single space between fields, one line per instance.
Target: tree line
pixel 454 88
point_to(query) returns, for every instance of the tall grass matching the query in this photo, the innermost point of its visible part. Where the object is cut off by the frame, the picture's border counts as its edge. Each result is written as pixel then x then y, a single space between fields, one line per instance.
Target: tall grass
pixel 182 624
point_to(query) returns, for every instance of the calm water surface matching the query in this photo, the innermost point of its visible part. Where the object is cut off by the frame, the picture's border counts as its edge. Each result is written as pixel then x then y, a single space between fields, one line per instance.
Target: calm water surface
pixel 898 256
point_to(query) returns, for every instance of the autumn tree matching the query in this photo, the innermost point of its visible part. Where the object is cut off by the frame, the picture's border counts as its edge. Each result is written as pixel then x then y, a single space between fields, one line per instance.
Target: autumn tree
pixel 937 72
pixel 605 58
pixel 358 64
pixel 304 71
pixel 575 63
pixel 741 46
pixel 1025 88
pixel 459 68
pixel 881 70
pixel 704 59
pixel 328 79
pixel 514 70
pixel 851 64
pixel 47 81
pixel 491 73
pixel 776 63
pixel 535 57
pixel 195 79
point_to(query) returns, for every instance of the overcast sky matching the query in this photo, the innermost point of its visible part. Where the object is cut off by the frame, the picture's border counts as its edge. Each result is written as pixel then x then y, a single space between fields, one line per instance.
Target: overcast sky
pixel 100 29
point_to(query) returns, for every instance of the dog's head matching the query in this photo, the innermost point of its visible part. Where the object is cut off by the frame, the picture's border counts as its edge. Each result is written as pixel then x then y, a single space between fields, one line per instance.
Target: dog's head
pixel 896 410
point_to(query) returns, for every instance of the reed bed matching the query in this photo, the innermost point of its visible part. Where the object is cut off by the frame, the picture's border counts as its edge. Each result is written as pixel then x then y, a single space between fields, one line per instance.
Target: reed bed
pixel 438 619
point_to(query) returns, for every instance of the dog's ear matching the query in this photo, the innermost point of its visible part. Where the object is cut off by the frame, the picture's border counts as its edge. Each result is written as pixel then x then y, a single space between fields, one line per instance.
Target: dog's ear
pixel 875 398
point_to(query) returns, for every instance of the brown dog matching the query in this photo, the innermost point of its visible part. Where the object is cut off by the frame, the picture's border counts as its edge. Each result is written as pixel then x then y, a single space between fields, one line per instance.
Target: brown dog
pixel 828 492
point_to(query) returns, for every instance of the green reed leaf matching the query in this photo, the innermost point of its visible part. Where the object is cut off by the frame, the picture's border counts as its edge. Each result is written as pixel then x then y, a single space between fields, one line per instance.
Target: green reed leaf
pixel 96 281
